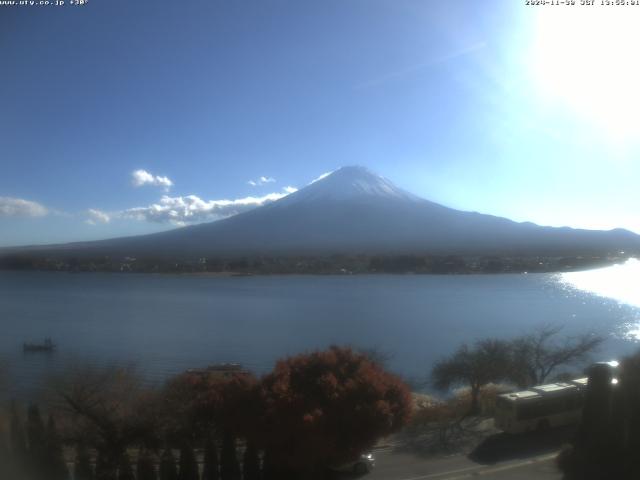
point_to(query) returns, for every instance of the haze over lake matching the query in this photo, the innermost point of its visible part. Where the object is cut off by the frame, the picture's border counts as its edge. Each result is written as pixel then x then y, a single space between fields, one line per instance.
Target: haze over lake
pixel 165 324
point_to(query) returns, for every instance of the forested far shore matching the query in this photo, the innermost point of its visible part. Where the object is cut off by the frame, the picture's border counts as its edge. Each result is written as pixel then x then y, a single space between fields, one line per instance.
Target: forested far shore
pixel 315 265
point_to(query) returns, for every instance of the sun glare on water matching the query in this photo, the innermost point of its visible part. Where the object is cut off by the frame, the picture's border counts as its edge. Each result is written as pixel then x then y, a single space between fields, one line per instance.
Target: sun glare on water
pixel 618 282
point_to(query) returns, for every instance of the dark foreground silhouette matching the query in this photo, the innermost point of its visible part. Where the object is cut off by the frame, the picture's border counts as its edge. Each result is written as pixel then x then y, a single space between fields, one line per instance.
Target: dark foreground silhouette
pixel 503 446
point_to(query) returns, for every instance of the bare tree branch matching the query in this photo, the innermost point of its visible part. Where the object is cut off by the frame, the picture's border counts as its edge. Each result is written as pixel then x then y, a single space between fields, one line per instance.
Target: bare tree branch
pixel 536 356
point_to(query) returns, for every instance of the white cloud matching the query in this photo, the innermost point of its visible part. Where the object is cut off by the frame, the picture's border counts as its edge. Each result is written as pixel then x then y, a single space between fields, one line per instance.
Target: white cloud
pixel 290 189
pixel 193 209
pixel 18 207
pixel 142 177
pixel 261 181
pixel 324 175
pixel 97 216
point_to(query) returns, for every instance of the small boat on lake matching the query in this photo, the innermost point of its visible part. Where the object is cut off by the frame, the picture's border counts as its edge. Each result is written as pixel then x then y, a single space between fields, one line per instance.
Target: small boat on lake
pixel 46 346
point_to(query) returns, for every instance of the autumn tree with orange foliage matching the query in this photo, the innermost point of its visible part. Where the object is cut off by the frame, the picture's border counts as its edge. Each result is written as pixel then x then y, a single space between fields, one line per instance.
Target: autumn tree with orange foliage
pixel 326 408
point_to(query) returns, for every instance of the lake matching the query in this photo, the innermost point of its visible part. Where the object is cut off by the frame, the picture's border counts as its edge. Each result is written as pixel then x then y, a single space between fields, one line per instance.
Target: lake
pixel 165 324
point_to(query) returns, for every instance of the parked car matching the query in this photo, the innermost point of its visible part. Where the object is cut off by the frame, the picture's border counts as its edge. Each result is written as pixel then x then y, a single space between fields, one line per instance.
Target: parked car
pixel 363 465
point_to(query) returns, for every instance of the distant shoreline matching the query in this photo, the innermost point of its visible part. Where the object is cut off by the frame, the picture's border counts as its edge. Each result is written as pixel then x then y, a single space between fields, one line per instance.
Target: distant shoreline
pixel 329 265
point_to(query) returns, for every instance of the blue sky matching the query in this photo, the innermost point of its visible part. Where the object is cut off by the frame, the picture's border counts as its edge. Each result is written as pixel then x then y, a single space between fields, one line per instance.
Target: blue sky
pixel 125 117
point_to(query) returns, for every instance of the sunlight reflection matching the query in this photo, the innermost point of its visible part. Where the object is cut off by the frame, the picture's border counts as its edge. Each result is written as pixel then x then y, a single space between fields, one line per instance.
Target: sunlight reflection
pixel 618 282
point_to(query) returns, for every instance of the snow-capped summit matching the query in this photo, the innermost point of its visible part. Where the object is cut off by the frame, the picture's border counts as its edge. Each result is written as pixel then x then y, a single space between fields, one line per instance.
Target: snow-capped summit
pixel 348 184
pixel 354 181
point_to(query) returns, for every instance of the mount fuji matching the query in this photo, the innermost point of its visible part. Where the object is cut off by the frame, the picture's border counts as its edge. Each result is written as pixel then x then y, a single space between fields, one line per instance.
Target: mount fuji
pixel 353 210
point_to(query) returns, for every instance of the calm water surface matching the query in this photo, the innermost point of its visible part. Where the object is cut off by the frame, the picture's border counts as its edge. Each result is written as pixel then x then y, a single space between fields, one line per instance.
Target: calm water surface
pixel 165 324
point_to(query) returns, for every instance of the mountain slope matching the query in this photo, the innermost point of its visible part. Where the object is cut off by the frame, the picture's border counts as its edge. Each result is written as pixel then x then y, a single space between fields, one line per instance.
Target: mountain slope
pixel 355 211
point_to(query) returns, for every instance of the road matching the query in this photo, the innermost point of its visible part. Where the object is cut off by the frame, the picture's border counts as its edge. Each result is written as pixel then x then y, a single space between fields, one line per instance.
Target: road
pixel 500 456
pixel 405 466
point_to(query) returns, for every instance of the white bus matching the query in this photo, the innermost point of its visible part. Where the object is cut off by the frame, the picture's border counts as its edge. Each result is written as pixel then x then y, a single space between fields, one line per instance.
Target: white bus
pixel 541 407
